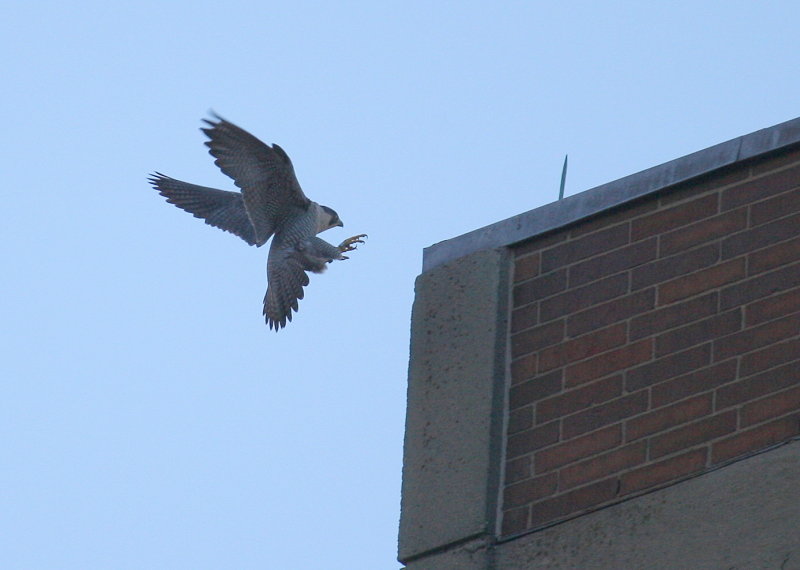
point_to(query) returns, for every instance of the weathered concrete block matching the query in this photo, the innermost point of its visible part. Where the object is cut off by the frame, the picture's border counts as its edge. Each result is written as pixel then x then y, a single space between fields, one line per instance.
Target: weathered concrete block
pixel 456 390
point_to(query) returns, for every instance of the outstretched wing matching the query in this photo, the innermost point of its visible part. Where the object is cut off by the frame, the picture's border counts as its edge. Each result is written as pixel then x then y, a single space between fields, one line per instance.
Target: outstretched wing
pixel 286 275
pixel 219 208
pixel 286 279
pixel 264 173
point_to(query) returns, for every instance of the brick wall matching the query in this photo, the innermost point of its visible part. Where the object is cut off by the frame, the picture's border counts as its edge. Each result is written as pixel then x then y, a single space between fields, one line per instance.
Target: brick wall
pixel 654 342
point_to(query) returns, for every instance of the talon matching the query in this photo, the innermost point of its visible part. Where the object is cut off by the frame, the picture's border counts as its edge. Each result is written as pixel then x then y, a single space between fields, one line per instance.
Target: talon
pixel 350 243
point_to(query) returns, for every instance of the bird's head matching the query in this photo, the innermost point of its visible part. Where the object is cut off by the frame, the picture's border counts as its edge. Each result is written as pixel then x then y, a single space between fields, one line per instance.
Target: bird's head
pixel 327 218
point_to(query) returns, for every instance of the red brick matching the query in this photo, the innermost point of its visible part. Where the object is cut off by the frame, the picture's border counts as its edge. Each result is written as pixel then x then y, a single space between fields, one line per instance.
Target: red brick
pixel 674 217
pixel 756 337
pixel 574 400
pixel 775 207
pixel 540 287
pixel 520 419
pixel 583 247
pixel 526 266
pixel 669 417
pixel 699 332
pixel 518 469
pixel 538 243
pixel 772 407
pixel 668 367
pixel 582 347
pixel 577 449
pixel 701 281
pixel 515 520
pixel 535 389
pixel 532 439
pixel 775 256
pixel 769 357
pixel 537 338
pixel 692 383
pixel 755 439
pixel 603 465
pixel 693 434
pixel 760 286
pixel 773 307
pixel 665 471
pixel 524 318
pixel 620 214
pixel 604 414
pixel 618 260
pixel 673 316
pixel 760 188
pixel 775 161
pixel 573 502
pixel 709 182
pixel 674 266
pixel 704 231
pixel 603 315
pixel 609 362
pixel 757 386
pixel 761 236
pixel 524 368
pixel 531 490
pixel 576 299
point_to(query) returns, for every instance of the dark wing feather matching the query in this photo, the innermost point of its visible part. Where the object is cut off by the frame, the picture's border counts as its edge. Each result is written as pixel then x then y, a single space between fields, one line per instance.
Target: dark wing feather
pixel 286 272
pixel 219 208
pixel 286 279
pixel 264 173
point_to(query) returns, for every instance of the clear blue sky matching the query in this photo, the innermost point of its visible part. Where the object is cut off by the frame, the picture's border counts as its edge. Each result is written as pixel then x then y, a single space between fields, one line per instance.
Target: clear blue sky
pixel 148 417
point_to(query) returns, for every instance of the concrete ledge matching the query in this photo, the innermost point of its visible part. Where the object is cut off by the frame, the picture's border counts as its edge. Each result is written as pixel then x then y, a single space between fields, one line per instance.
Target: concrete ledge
pixel 471 555
pixel 455 414
pixel 745 515
pixel 613 194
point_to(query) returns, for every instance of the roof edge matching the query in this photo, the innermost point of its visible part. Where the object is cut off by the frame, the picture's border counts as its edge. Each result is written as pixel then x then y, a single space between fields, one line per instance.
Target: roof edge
pixel 612 194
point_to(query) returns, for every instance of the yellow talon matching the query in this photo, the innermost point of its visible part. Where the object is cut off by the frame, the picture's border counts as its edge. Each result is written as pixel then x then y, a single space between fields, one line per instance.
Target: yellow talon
pixel 350 244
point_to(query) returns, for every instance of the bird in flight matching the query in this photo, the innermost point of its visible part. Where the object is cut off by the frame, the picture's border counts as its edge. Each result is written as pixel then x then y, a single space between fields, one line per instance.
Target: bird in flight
pixel 271 204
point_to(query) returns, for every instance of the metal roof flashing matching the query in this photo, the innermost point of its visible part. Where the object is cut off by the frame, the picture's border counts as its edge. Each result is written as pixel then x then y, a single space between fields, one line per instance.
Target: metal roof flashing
pixel 612 194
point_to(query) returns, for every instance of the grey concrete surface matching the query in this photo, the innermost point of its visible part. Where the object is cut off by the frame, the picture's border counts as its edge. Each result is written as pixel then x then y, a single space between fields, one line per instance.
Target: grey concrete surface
pixel 471 555
pixel 455 414
pixel 745 516
pixel 612 194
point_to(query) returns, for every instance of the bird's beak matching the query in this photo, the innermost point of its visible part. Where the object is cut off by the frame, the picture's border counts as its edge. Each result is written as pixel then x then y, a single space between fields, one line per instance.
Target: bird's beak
pixel 340 224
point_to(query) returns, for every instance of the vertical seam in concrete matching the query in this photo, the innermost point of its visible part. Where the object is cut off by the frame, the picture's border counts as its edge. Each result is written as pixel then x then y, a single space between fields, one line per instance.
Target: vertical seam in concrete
pixel 505 350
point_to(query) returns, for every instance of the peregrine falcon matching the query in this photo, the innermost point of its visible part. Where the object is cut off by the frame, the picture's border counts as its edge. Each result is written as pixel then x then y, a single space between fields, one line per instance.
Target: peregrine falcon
pixel 270 204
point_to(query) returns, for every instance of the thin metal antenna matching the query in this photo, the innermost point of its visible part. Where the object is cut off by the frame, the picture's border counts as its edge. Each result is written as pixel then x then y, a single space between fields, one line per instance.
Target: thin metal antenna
pixel 563 178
